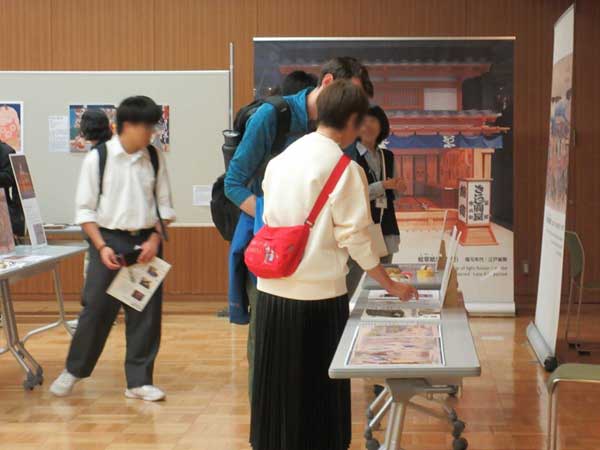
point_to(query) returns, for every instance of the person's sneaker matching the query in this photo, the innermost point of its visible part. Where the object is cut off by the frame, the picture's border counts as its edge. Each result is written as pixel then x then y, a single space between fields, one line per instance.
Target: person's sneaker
pixel 63 385
pixel 149 393
pixel 72 324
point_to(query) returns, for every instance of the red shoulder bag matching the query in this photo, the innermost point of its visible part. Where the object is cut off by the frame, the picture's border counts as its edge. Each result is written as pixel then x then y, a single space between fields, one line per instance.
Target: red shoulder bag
pixel 276 252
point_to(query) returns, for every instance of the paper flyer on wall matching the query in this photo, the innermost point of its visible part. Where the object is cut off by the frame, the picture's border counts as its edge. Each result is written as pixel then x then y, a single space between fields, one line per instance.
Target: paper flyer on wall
pixel 7 240
pixel 58 134
pixel 12 124
pixel 397 344
pixel 31 209
pixel 450 107
pixel 135 285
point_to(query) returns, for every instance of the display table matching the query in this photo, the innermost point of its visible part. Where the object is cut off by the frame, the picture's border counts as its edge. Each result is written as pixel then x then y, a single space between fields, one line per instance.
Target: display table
pixel 405 382
pixel 29 261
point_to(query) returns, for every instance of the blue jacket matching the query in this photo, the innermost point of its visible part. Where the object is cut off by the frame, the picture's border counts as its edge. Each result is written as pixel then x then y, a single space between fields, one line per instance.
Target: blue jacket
pixel 255 148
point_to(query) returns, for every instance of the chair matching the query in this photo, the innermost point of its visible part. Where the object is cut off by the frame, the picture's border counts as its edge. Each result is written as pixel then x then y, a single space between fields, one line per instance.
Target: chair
pixel 577 277
pixel 575 373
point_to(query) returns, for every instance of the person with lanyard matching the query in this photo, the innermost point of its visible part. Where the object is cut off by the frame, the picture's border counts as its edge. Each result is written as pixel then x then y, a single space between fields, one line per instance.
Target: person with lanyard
pixel 122 208
pixel 243 183
pixel 384 185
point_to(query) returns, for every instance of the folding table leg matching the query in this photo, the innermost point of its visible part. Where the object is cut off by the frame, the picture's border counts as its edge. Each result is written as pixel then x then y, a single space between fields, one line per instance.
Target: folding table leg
pixel 393 433
pixel 33 376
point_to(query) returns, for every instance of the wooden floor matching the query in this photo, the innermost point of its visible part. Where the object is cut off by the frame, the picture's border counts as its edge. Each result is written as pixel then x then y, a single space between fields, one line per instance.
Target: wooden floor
pixel 202 366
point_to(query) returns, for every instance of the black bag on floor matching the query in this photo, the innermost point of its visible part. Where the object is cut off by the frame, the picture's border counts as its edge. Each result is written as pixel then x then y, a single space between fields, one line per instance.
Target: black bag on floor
pixel 225 213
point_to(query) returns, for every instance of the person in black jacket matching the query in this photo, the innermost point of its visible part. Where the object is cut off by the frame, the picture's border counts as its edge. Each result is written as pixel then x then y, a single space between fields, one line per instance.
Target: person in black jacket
pixel 9 184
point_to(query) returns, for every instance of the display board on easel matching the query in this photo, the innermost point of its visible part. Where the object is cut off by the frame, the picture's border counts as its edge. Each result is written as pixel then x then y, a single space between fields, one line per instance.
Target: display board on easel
pixel 198 109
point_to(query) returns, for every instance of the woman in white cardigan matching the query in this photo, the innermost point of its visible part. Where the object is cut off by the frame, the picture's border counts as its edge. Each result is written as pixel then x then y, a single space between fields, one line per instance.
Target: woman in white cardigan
pixel 300 318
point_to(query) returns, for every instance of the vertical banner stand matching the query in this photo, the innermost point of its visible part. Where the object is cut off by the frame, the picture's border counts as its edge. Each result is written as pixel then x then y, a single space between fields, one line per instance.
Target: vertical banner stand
pixel 543 332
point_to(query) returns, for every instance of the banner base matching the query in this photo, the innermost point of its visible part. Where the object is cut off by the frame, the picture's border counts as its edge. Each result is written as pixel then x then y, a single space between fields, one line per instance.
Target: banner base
pixel 543 353
pixel 504 309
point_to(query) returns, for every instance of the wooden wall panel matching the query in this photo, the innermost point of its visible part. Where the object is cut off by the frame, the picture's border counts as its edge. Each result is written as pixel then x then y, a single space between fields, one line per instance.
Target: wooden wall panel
pixel 412 18
pixel 25 43
pixel 308 18
pixel 195 35
pixel 585 157
pixel 199 258
pixel 533 75
pixel 103 35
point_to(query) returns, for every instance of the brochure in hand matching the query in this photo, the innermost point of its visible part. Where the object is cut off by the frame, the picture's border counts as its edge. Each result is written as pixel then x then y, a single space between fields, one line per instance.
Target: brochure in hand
pixel 135 285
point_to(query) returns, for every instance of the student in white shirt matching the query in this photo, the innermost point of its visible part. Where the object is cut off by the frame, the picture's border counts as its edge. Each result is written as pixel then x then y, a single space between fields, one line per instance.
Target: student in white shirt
pixel 127 207
pixel 300 318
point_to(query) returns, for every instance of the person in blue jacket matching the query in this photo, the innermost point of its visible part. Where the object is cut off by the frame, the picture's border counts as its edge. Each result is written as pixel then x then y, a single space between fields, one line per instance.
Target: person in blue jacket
pixel 244 189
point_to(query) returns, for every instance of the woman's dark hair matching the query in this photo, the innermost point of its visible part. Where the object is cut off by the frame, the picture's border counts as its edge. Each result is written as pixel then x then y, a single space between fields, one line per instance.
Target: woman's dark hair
pixel 345 68
pixel 339 101
pixel 296 81
pixel 384 123
pixel 95 125
pixel 138 109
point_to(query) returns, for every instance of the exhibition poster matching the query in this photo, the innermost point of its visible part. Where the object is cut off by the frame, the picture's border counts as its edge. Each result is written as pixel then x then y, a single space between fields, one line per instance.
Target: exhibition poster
pixel 555 210
pixel 135 285
pixel 450 106
pixel 11 124
pixel 160 138
pixel 77 142
pixel 7 240
pixel 33 217
pixel 397 344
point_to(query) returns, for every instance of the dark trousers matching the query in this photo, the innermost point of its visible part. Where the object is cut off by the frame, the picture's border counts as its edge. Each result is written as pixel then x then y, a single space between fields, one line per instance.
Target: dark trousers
pixel 100 311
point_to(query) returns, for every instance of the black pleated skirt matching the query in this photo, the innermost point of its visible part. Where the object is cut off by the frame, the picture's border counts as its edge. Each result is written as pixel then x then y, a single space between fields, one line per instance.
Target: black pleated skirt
pixel 295 405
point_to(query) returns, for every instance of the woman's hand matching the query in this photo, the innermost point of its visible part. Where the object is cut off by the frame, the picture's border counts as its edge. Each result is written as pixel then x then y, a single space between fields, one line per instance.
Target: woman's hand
pixel 108 258
pixel 403 291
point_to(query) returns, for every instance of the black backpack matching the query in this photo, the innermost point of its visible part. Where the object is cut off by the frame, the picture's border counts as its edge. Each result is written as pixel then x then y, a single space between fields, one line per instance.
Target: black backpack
pixel 225 213
pixel 102 155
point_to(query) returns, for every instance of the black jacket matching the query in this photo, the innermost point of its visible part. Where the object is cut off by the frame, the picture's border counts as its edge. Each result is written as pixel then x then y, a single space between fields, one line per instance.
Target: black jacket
pixel 8 183
pixel 389 225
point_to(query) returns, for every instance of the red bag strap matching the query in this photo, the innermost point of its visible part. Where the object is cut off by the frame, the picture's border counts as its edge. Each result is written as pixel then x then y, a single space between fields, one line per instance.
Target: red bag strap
pixel 330 184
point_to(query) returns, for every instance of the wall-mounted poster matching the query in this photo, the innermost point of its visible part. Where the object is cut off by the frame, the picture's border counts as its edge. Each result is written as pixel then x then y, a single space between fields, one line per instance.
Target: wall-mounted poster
pixel 160 138
pixel 77 142
pixel 449 102
pixel 543 333
pixel 11 124
pixel 33 216
pixel 7 240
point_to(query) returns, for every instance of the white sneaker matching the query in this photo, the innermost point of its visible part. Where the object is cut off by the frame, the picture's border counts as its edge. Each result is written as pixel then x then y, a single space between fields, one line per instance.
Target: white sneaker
pixel 148 392
pixel 72 324
pixel 63 385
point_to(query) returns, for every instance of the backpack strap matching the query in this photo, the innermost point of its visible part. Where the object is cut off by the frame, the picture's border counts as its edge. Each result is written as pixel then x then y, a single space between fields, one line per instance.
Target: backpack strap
pixel 155 165
pixel 330 184
pixel 102 152
pixel 284 122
